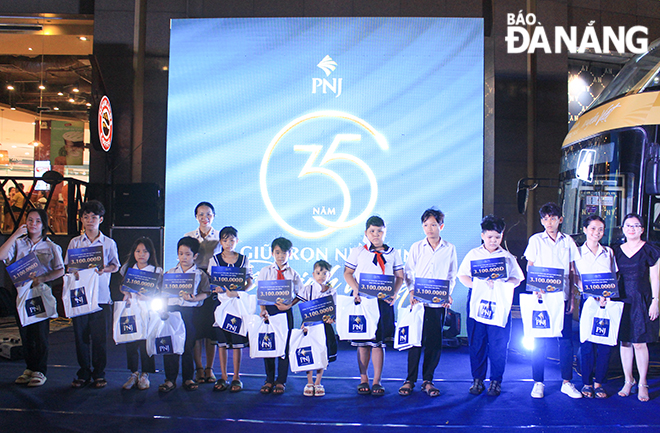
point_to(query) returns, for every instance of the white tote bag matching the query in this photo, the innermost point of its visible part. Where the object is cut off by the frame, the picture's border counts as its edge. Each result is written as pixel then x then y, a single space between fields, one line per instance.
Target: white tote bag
pixel 491 306
pixel 308 351
pixel 542 318
pixel 35 304
pixel 166 337
pixel 268 340
pixel 128 322
pixel 409 327
pixel 80 296
pixel 600 325
pixel 357 321
pixel 231 315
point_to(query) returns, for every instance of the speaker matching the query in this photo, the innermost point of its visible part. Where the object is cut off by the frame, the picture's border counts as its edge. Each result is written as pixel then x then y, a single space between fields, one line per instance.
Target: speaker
pixel 137 205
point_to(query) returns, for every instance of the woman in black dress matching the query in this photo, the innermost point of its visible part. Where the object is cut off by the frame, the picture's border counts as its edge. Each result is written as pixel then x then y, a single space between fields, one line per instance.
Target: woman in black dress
pixel 639 282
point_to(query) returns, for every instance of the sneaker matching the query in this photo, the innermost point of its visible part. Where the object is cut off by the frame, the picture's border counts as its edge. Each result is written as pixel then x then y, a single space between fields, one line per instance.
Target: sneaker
pixel 495 388
pixel 132 380
pixel 143 382
pixel 477 387
pixel 569 389
pixel 37 379
pixel 24 378
pixel 537 391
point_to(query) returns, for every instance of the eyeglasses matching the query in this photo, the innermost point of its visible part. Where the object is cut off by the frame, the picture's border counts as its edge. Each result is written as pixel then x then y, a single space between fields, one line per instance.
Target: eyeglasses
pixel 632 226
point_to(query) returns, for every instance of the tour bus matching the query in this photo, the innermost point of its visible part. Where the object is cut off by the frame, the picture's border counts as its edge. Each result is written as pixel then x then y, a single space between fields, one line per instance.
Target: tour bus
pixel 610 159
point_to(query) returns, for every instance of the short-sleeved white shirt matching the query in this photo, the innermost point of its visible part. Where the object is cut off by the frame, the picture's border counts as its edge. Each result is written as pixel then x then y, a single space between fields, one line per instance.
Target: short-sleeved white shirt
pixel 425 262
pixel 559 254
pixel 110 257
pixel 600 263
pixel 201 286
pixel 480 253
pixel 314 291
pixel 48 253
pixel 361 260
pixel 208 246
pixel 270 273
pixel 246 264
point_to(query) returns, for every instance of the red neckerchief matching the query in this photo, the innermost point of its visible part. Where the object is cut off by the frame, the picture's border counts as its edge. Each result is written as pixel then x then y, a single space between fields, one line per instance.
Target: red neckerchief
pixel 378 258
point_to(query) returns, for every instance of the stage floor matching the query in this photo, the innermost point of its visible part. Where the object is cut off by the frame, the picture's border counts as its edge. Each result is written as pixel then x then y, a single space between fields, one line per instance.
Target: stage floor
pixel 56 407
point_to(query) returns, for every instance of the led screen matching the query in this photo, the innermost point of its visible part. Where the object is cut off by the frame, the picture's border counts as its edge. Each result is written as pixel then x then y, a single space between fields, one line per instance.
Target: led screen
pixel 304 127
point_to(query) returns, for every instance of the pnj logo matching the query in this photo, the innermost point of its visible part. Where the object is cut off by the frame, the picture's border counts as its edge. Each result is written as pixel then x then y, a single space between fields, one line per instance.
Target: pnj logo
pixel 128 325
pixel 334 85
pixel 304 356
pixel 164 345
pixel 78 297
pixel 601 327
pixel 540 320
pixel 403 335
pixel 356 324
pixel 34 306
pixel 232 324
pixel 266 341
pixel 486 309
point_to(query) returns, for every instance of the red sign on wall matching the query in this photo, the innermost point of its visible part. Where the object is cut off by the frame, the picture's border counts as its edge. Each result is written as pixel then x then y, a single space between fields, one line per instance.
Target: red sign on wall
pixel 105 123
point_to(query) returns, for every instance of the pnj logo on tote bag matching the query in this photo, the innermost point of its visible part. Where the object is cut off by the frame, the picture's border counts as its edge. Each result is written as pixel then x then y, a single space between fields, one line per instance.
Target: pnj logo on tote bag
pixel 486 309
pixel 232 324
pixel 540 320
pixel 78 297
pixel 164 345
pixel 304 356
pixel 601 327
pixel 356 324
pixel 403 335
pixel 128 325
pixel 34 306
pixel 266 341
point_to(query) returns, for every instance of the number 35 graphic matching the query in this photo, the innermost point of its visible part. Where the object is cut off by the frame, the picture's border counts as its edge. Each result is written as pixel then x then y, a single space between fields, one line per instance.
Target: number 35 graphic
pixel 312 166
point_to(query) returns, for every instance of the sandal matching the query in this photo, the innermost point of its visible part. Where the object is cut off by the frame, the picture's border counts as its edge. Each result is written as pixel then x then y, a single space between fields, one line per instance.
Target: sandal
pixel 407 388
pixel 210 378
pixel 319 390
pixel 588 391
pixel 631 390
pixel 308 391
pixel 643 395
pixel 429 389
pixel 278 389
pixel 190 385
pixel 199 377
pixel 600 392
pixel 236 386
pixel 79 383
pixel 166 387
pixel 220 385
pixel 99 383
pixel 363 389
pixel 267 388
pixel 377 390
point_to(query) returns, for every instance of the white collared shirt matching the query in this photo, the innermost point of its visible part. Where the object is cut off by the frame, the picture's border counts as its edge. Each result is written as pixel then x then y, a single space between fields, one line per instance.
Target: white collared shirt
pixel 361 260
pixel 314 291
pixel 543 251
pixel 208 246
pixel 602 262
pixel 479 253
pixel 425 262
pixel 48 253
pixel 270 273
pixel 201 286
pixel 110 257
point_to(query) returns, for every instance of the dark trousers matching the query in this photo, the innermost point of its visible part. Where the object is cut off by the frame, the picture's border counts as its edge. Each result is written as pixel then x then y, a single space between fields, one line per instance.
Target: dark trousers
pixel 90 332
pixel 35 345
pixel 136 350
pixel 565 352
pixel 434 319
pixel 282 362
pixel 171 362
pixel 594 360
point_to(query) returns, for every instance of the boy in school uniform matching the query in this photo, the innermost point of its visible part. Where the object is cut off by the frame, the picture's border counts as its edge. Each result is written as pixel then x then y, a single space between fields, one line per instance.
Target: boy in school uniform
pixel 280 270
pixel 90 331
pixel 553 249
pixel 432 257
pixel 489 341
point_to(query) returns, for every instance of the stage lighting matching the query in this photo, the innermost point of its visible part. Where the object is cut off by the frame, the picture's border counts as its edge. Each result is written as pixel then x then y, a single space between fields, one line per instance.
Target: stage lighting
pixel 157 304
pixel 528 343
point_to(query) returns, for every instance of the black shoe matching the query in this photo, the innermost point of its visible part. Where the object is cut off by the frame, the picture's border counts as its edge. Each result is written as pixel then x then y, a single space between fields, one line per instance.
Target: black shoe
pixel 495 388
pixel 477 387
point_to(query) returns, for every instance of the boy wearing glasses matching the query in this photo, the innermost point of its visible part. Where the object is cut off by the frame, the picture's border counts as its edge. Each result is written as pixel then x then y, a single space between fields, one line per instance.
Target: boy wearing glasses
pixel 553 249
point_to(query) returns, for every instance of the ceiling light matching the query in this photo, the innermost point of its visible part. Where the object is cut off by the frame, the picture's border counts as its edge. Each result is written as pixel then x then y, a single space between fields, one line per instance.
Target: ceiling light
pixel 165 68
pixel 71 100
pixel 42 87
pixel 75 90
pixel 60 94
pixel 29 49
pixel 13 147
pixel 10 87
pixel 27 153
pixel 89 104
pixel 56 108
pixel 83 38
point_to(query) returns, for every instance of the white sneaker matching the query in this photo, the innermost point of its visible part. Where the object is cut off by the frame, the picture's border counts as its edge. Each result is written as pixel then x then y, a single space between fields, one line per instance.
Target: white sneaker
pixel 569 389
pixel 143 382
pixel 37 379
pixel 24 378
pixel 537 391
pixel 132 380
